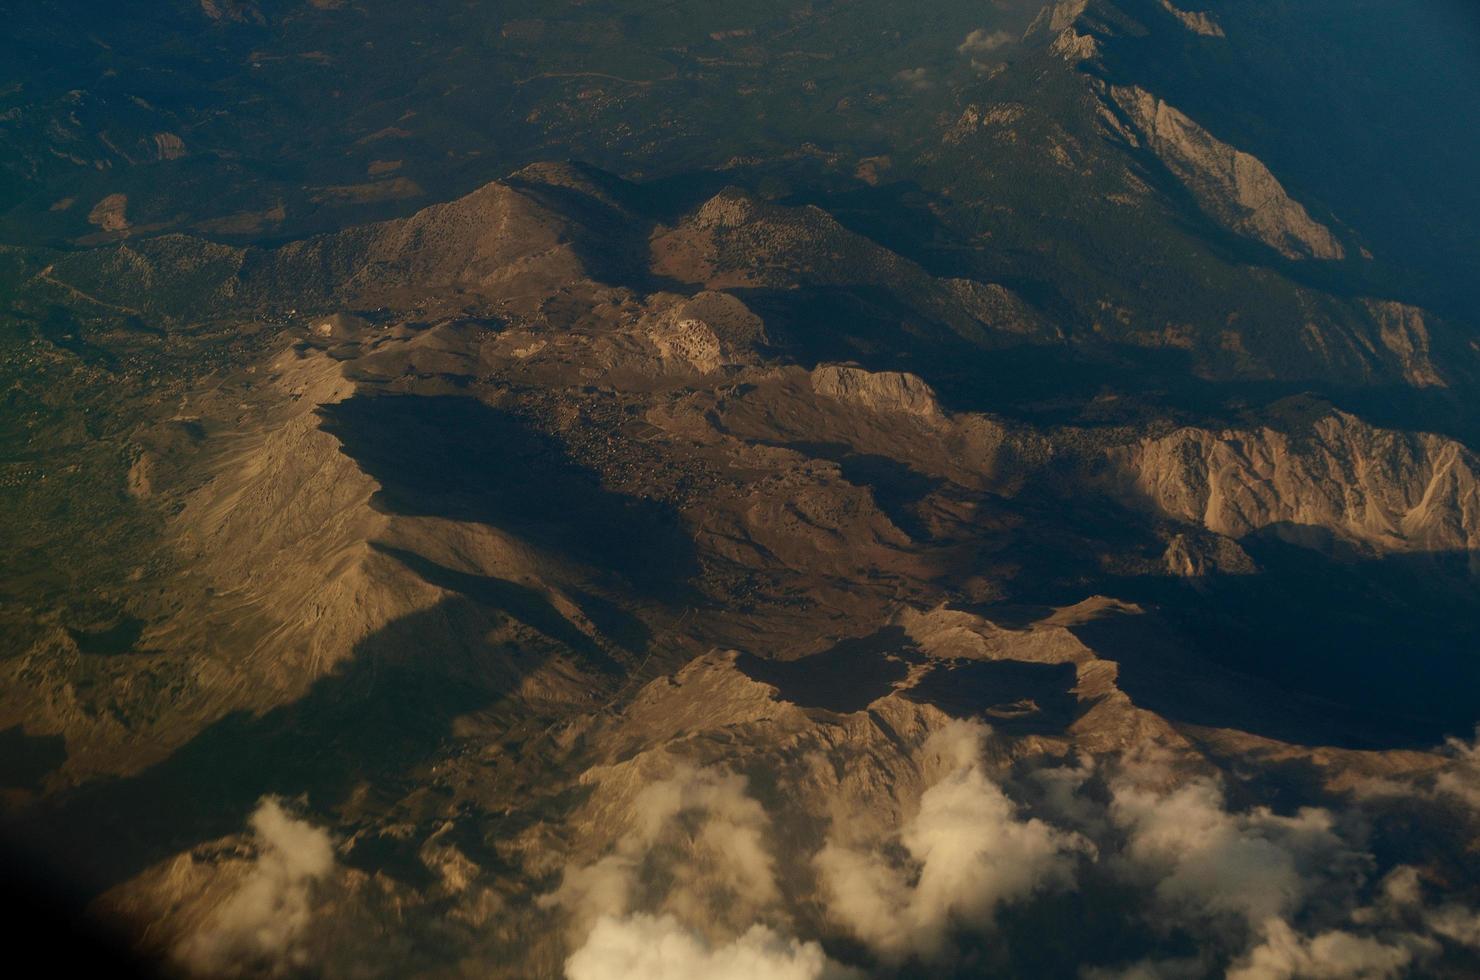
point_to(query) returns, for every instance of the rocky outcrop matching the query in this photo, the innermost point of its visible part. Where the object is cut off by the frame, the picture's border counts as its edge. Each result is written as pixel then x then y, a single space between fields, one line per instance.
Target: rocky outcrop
pixel 1074 47
pixel 706 332
pixel 1195 21
pixel 1058 22
pixel 882 391
pixel 1404 332
pixel 689 340
pixel 974 118
pixel 110 214
pixel 1057 17
pixel 1196 555
pixel 730 319
pixel 1231 186
pixel 1389 491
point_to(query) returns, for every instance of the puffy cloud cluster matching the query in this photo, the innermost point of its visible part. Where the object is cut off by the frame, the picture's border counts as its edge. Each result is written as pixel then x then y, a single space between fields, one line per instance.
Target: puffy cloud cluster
pixel 1398 934
pixel 1456 923
pixel 1403 911
pixel 258 928
pixel 660 948
pixel 1275 897
pixel 690 889
pixel 700 833
pixel 968 849
pixel 1205 861
pixel 1332 955
pixel 702 837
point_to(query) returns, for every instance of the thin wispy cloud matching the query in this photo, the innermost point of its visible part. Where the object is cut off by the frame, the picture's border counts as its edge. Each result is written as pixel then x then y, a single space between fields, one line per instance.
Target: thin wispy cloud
pixel 982 41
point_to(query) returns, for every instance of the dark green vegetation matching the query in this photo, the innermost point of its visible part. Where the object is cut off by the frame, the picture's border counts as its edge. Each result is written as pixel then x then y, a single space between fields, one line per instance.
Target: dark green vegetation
pixel 290 105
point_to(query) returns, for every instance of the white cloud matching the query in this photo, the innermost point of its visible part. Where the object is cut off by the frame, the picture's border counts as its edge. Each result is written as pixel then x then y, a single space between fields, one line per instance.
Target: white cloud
pixel 1264 895
pixel 701 832
pixel 1402 899
pixel 1331 955
pixel 1461 779
pixel 1241 882
pixel 1456 780
pixel 729 846
pixel 1061 788
pixel 1205 862
pixel 983 41
pixel 969 850
pixel 257 929
pixel 1457 924
pixel 603 887
pixel 647 947
pixel 700 835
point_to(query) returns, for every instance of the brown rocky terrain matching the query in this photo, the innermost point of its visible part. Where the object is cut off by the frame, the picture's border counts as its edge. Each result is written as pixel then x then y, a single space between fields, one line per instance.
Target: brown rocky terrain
pixel 1051 553
pixel 550 495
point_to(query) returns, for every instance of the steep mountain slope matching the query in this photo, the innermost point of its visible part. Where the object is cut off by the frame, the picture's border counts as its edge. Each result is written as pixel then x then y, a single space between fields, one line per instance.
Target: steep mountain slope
pixel 452 545
pixel 1390 491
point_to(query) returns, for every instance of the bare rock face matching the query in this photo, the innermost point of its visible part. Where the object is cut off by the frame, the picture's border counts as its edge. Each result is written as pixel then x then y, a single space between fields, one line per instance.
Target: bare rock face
pixel 1403 332
pixel 993 116
pixel 1193 556
pixel 111 213
pixel 1058 21
pixel 1390 491
pixel 337 327
pixel 884 391
pixel 273 516
pixel 1195 21
pixel 286 518
pixel 1233 187
pixel 1060 16
pixel 706 332
pixel 169 146
pixel 730 319
pixel 728 209
pixel 688 339
pixel 1074 47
